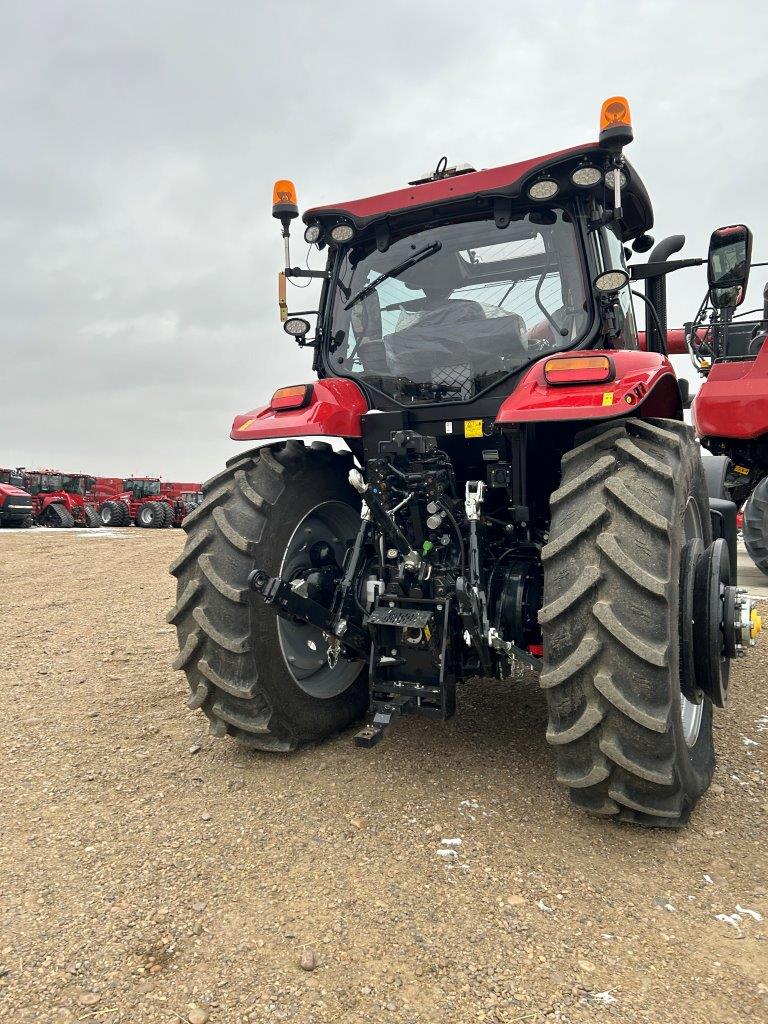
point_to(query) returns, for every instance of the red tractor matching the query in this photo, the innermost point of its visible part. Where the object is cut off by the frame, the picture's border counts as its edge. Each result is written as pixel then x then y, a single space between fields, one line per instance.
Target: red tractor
pixel 60 499
pixel 730 410
pixel 15 502
pixel 184 498
pixel 135 500
pixel 520 491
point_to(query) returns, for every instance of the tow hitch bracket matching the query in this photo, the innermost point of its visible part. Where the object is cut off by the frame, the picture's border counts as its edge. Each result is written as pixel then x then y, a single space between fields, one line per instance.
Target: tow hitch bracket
pixel 383 713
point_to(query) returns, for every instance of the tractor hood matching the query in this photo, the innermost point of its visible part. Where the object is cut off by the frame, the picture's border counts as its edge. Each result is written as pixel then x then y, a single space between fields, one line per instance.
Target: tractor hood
pixel 9 491
pixel 509 181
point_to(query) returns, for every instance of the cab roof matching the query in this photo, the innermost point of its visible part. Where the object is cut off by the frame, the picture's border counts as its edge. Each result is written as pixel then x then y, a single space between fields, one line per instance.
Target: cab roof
pixel 508 181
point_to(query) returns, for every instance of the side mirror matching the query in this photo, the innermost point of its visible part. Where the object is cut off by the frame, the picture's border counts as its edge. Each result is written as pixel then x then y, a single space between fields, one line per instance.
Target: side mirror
pixel 730 252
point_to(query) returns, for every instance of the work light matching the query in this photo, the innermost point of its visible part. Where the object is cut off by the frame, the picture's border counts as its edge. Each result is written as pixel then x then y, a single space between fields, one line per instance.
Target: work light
pixel 544 188
pixel 342 233
pixel 586 176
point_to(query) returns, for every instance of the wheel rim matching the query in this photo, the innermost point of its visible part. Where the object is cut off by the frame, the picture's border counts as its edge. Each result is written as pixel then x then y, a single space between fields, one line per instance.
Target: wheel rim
pixel 303 647
pixel 690 713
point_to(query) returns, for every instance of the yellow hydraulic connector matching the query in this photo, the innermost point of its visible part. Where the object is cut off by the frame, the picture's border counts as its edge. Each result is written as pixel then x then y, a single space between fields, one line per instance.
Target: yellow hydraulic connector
pixel 757 625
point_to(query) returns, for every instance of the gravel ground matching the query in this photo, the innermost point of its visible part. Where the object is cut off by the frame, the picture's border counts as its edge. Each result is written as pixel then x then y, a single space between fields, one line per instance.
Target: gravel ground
pixel 151 874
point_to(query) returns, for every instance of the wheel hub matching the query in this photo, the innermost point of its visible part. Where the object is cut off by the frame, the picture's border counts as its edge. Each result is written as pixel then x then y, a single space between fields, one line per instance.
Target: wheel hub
pixel 717 622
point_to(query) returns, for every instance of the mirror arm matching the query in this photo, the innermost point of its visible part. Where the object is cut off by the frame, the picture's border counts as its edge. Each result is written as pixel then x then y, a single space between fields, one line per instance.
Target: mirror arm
pixel 643 271
pixel 300 272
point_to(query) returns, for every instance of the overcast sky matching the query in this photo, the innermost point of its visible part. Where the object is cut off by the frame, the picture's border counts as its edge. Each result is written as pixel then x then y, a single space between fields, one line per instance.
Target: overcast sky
pixel 140 142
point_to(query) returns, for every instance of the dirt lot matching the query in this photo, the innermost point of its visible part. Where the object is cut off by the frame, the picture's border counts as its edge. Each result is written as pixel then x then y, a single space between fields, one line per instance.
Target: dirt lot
pixel 149 873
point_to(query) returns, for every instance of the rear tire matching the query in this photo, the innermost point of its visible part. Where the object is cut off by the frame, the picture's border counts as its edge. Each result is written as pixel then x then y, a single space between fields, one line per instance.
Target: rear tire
pixel 57 516
pixel 113 513
pixel 627 745
pixel 231 646
pixel 167 515
pixel 756 526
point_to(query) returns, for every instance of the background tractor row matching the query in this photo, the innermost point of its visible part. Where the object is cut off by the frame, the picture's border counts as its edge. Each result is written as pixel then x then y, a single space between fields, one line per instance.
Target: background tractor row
pixel 144 501
pixel 55 499
pixel 519 492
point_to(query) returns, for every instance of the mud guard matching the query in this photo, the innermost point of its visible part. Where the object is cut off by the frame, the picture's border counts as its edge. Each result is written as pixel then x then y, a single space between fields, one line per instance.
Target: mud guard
pixel 335 409
pixel 644 385
pixel 733 400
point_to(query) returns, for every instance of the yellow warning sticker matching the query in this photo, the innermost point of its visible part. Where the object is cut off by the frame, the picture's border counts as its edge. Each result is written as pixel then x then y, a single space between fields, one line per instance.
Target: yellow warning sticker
pixel 245 426
pixel 473 428
pixel 607 398
pixel 741 470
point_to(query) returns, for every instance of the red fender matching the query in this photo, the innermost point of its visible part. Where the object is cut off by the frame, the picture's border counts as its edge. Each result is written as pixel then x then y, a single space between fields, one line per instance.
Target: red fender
pixel 644 381
pixel 733 400
pixel 336 409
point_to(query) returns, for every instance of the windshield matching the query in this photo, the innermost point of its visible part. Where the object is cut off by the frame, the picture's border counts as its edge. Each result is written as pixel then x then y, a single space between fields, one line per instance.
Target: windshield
pixel 143 488
pixel 43 482
pixel 447 311
pixel 73 484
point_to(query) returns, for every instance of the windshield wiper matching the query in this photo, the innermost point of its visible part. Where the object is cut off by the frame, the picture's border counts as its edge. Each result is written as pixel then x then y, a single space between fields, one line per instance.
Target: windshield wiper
pixel 410 261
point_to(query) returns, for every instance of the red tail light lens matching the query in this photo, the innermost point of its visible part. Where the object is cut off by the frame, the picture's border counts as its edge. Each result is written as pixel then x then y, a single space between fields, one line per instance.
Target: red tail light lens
pixel 294 397
pixel 579 370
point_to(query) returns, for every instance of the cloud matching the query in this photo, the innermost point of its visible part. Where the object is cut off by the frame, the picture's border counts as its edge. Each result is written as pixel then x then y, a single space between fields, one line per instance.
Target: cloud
pixel 138 288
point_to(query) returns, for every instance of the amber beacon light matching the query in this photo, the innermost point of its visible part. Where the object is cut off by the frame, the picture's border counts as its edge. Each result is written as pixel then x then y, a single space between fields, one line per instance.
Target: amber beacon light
pixel 615 123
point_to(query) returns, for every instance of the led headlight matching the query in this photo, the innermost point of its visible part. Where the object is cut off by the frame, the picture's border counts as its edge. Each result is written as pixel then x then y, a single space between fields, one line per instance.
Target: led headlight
pixel 586 176
pixel 312 233
pixel 611 281
pixel 544 188
pixel 342 233
pixel 296 326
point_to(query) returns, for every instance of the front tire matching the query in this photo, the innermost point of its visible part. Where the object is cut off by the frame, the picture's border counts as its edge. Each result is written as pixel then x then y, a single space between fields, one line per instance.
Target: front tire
pixel 756 526
pixel 92 517
pixel 233 647
pixel 628 745
pixel 151 515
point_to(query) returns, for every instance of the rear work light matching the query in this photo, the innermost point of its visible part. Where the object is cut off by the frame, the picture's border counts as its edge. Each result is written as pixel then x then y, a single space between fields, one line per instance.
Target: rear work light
pixel 579 370
pixel 294 397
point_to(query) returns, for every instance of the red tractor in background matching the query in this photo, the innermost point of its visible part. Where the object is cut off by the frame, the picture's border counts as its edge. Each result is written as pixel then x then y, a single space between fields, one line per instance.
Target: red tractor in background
pixel 16 507
pixel 730 410
pixel 61 499
pixel 122 501
pixel 520 491
pixel 185 497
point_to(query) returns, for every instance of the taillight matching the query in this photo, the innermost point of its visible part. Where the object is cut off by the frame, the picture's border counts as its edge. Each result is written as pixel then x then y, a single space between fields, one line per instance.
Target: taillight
pixel 579 370
pixel 294 397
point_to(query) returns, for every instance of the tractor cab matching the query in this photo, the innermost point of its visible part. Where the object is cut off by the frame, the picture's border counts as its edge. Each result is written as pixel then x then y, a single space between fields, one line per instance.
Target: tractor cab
pixel 142 487
pixel 445 291
pixel 78 483
pixel 11 478
pixel 44 482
